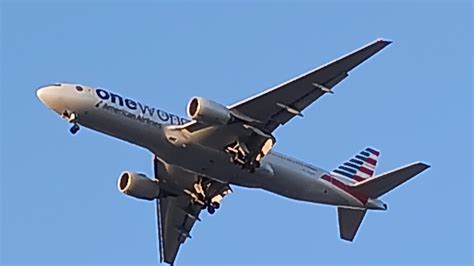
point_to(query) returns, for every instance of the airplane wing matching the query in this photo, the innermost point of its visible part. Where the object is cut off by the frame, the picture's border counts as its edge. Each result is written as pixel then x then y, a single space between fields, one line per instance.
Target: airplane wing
pixel 248 139
pixel 279 104
pixel 176 217
pixel 177 208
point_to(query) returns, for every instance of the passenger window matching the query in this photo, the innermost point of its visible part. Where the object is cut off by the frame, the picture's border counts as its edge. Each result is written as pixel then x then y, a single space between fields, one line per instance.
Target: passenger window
pixel 79 88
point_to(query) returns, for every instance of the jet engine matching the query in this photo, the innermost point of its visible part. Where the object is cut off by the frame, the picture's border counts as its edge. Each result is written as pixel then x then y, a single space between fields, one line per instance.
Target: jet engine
pixel 208 112
pixel 138 186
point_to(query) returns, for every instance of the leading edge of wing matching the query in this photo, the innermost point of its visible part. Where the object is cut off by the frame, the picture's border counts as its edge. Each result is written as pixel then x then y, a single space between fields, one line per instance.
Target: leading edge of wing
pixel 382 43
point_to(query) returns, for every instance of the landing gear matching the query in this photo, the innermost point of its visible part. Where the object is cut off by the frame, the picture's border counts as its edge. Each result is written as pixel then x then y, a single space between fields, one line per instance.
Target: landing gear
pixel 208 194
pixel 212 207
pixel 252 166
pixel 249 152
pixel 243 160
pixel 74 129
pixel 72 118
pixel 216 205
pixel 244 163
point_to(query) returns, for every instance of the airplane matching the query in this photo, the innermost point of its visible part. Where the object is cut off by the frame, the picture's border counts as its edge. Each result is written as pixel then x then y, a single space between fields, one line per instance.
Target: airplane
pixel 196 160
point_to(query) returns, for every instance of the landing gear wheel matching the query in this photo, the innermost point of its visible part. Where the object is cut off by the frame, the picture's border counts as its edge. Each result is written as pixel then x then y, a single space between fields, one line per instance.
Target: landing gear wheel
pixel 74 129
pixel 211 209
pixel 215 205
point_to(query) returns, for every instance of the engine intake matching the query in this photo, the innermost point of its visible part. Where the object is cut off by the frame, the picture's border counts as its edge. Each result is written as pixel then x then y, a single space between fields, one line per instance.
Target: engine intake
pixel 208 112
pixel 138 186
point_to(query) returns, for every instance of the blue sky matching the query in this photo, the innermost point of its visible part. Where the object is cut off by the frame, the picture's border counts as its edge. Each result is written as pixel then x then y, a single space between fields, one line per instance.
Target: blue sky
pixel 413 101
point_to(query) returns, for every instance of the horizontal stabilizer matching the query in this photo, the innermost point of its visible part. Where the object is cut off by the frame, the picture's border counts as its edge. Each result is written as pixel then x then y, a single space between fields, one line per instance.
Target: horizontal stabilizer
pixel 383 183
pixel 349 221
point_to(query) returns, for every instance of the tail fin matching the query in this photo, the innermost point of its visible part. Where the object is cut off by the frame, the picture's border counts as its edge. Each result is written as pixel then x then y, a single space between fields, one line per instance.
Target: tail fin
pixel 360 167
pixel 349 221
pixel 378 185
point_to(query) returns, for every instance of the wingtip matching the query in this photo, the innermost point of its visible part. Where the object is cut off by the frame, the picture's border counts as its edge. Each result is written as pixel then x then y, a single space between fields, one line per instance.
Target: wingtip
pixel 425 165
pixel 385 41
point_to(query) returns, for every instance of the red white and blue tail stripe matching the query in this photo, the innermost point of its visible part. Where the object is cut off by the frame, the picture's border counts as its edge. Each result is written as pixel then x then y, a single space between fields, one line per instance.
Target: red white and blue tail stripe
pixel 359 167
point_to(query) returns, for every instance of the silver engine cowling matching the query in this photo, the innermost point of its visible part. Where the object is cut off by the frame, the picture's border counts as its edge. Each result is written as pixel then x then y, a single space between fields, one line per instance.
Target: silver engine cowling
pixel 208 112
pixel 138 186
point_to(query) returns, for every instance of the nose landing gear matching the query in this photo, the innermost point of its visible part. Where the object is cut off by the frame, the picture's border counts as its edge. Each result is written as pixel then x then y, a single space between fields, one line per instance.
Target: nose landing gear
pixel 74 129
pixel 72 118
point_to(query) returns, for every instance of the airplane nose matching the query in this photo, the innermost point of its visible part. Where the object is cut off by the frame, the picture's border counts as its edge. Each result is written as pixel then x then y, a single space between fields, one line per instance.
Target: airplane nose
pixel 46 95
pixel 41 93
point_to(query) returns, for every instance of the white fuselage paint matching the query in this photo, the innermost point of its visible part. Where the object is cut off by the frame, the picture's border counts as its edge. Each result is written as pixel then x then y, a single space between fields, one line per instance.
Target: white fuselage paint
pixel 145 126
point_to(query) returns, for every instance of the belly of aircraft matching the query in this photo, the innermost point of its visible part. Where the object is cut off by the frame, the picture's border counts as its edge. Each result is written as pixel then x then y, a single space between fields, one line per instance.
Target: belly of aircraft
pixel 207 162
pixel 283 179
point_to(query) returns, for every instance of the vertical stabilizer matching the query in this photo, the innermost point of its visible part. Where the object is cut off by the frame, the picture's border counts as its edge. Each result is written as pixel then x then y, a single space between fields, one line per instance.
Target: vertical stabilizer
pixel 360 167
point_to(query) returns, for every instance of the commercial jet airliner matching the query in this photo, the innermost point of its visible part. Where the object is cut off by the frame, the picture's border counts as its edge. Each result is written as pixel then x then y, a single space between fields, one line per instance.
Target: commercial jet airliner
pixel 196 160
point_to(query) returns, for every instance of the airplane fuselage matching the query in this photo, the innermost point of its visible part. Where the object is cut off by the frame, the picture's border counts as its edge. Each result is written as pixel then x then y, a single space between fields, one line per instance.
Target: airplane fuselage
pixel 152 129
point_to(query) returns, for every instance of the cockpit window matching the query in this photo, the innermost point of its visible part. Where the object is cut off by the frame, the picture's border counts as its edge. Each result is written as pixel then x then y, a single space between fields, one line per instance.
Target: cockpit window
pixel 79 88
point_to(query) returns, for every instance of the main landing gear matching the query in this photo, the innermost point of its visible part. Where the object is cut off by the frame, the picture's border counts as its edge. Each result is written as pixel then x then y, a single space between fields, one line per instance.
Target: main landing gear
pixel 212 207
pixel 240 155
pixel 244 163
pixel 209 194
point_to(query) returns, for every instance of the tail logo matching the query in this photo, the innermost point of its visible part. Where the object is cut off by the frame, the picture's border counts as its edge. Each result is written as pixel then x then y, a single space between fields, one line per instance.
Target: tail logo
pixel 359 167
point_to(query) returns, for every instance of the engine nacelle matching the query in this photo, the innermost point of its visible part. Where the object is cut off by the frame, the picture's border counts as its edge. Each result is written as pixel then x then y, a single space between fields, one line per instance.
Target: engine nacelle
pixel 138 186
pixel 208 112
